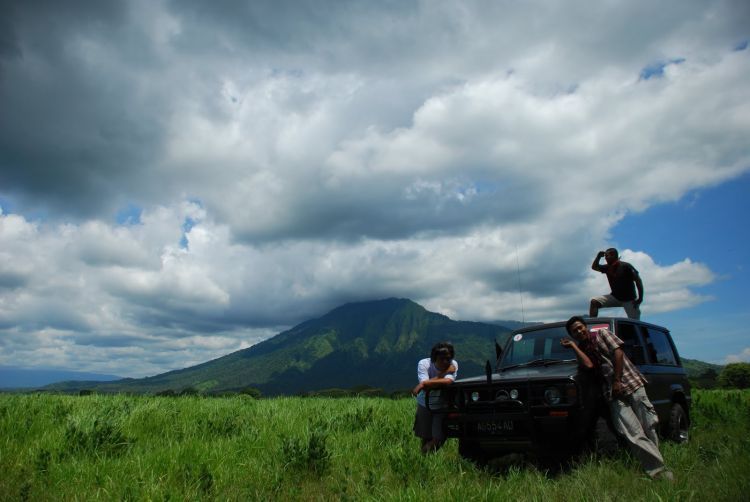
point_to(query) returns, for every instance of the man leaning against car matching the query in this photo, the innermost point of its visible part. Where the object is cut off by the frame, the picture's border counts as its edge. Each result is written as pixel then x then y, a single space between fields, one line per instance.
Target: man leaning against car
pixel 633 415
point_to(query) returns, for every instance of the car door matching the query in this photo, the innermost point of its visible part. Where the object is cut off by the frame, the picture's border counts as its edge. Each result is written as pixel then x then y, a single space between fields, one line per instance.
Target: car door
pixel 629 333
pixel 662 369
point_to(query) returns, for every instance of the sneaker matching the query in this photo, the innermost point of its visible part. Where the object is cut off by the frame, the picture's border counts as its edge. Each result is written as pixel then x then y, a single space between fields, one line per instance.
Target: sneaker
pixel 665 475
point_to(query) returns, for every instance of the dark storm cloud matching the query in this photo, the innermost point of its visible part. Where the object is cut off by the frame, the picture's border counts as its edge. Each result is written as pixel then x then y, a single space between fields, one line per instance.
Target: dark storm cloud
pixel 176 321
pixel 9 47
pixel 100 340
pixel 328 35
pixel 542 279
pixel 76 131
pixel 181 179
pixel 12 280
pixel 93 92
pixel 377 212
pixel 54 313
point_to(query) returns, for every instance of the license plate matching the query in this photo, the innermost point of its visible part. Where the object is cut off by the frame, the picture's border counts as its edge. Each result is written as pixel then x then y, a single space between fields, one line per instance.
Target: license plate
pixel 495 427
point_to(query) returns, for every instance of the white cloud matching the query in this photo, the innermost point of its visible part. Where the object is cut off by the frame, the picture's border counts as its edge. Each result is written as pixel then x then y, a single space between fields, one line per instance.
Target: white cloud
pixel 204 300
pixel 469 156
pixel 742 357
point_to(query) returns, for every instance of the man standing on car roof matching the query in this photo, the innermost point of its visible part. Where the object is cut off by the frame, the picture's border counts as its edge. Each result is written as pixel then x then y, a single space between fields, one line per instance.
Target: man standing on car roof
pixel 633 415
pixel 622 276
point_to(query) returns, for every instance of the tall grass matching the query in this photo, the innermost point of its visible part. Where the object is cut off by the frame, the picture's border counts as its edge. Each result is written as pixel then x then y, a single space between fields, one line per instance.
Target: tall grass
pixel 114 447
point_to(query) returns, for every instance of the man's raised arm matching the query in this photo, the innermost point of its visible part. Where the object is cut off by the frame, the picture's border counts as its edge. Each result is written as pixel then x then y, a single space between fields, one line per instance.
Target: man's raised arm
pixel 595 265
pixel 583 359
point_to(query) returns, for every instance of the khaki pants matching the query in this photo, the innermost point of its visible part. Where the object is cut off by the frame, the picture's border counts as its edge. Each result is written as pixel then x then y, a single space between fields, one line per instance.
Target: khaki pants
pixel 635 418
pixel 632 310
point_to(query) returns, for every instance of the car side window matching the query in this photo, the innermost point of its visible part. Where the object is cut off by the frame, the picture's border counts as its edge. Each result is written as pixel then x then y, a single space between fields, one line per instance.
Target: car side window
pixel 632 345
pixel 659 348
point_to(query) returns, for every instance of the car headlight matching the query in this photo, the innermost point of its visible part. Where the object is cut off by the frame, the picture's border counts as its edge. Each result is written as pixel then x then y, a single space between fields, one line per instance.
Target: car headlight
pixel 571 393
pixel 475 396
pixel 552 395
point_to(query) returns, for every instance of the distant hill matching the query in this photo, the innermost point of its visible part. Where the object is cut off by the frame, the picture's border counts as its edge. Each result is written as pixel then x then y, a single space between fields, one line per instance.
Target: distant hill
pixel 23 378
pixel 375 343
pixel 697 368
pixel 513 325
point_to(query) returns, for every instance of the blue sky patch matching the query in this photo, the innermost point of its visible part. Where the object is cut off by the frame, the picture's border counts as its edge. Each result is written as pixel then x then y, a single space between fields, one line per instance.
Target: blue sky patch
pixel 186 227
pixel 657 69
pixel 740 46
pixel 129 215
pixel 705 226
pixel 6 206
pixel 196 201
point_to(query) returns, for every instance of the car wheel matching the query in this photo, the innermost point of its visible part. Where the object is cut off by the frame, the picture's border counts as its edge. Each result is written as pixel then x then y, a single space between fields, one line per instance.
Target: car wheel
pixel 602 439
pixel 678 424
pixel 470 450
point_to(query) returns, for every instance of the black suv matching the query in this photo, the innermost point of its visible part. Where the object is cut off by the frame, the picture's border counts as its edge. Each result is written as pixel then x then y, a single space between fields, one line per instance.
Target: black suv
pixel 538 401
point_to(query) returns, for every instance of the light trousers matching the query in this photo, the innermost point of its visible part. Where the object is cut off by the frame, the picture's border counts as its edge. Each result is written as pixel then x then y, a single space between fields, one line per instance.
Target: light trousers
pixel 632 310
pixel 635 418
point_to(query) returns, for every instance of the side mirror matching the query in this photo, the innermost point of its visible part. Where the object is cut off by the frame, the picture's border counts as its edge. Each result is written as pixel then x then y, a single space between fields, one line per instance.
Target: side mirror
pixel 498 351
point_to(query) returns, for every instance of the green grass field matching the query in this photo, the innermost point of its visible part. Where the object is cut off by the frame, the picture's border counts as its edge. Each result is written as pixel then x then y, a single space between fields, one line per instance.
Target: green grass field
pixel 114 447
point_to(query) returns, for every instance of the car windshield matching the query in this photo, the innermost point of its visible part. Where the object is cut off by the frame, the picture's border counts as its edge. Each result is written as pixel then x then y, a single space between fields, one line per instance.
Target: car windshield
pixel 542 346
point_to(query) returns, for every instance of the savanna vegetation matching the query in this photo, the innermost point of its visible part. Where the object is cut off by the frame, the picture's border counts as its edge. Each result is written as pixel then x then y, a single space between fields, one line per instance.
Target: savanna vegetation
pixel 117 447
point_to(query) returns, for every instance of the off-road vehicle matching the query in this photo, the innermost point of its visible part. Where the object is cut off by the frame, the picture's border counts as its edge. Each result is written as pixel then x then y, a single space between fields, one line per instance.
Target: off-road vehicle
pixel 537 400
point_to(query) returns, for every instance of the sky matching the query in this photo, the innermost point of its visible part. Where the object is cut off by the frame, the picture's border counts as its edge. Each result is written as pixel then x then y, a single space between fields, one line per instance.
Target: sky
pixel 181 180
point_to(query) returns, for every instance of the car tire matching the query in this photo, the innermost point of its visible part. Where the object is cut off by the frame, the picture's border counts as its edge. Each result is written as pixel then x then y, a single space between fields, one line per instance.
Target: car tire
pixel 602 439
pixel 679 424
pixel 471 450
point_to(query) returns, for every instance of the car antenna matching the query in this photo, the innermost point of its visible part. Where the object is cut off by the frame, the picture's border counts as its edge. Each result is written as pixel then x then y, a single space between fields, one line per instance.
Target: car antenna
pixel 520 294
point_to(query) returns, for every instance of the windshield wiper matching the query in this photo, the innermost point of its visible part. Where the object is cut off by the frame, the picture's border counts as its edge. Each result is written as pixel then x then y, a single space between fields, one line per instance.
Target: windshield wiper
pixel 539 362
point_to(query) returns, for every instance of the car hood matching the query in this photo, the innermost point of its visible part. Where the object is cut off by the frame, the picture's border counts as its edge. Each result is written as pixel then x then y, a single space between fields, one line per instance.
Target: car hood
pixel 558 370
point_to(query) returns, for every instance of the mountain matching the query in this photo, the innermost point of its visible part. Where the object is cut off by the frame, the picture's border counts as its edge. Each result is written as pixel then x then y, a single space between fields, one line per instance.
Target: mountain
pixel 695 368
pixel 512 325
pixel 375 343
pixel 23 378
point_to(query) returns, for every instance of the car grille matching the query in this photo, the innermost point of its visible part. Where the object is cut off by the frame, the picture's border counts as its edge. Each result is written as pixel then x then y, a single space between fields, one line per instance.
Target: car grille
pixel 494 398
pixel 508 397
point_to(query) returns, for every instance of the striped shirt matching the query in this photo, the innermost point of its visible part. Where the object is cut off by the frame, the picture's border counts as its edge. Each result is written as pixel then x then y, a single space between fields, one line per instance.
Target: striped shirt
pixel 600 348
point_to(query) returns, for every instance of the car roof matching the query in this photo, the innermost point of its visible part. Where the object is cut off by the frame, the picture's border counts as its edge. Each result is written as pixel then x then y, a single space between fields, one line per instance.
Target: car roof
pixel 588 320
